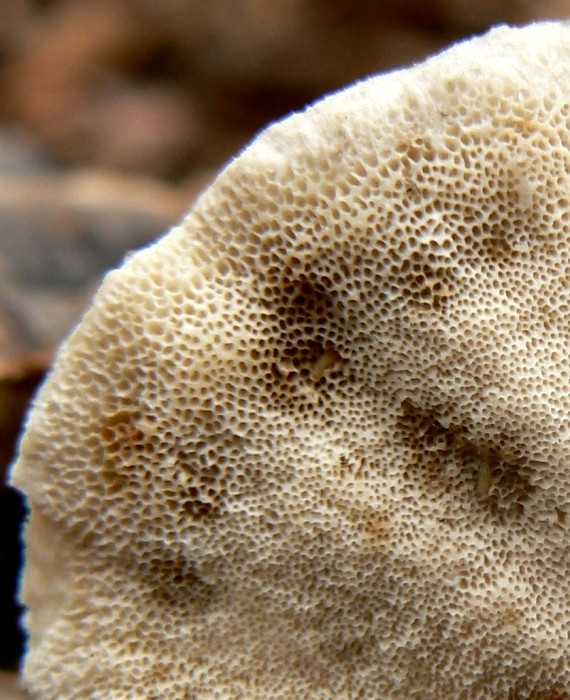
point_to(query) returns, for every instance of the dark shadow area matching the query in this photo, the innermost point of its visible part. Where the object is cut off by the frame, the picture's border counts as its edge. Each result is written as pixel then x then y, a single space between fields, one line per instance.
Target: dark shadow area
pixel 12 514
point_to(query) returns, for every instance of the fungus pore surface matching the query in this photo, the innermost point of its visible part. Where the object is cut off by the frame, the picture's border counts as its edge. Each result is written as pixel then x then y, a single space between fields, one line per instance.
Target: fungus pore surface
pixel 314 443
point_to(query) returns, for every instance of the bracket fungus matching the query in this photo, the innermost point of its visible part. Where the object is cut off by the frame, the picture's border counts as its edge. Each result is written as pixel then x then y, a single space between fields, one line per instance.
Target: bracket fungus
pixel 315 441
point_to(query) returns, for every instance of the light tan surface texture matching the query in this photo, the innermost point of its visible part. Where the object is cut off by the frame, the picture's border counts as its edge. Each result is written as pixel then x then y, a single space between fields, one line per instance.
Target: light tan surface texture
pixel 314 443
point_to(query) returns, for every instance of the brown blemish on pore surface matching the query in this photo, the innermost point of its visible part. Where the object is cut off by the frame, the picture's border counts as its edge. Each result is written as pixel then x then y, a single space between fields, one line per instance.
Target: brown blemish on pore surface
pixel 327 360
pixel 123 444
pixel 499 482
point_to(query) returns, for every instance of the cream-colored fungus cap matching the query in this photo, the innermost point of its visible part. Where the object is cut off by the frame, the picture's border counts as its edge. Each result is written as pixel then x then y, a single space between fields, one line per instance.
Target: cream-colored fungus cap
pixel 315 442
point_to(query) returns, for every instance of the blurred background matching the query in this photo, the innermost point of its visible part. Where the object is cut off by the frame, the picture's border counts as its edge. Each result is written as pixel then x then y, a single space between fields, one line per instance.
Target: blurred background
pixel 115 114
